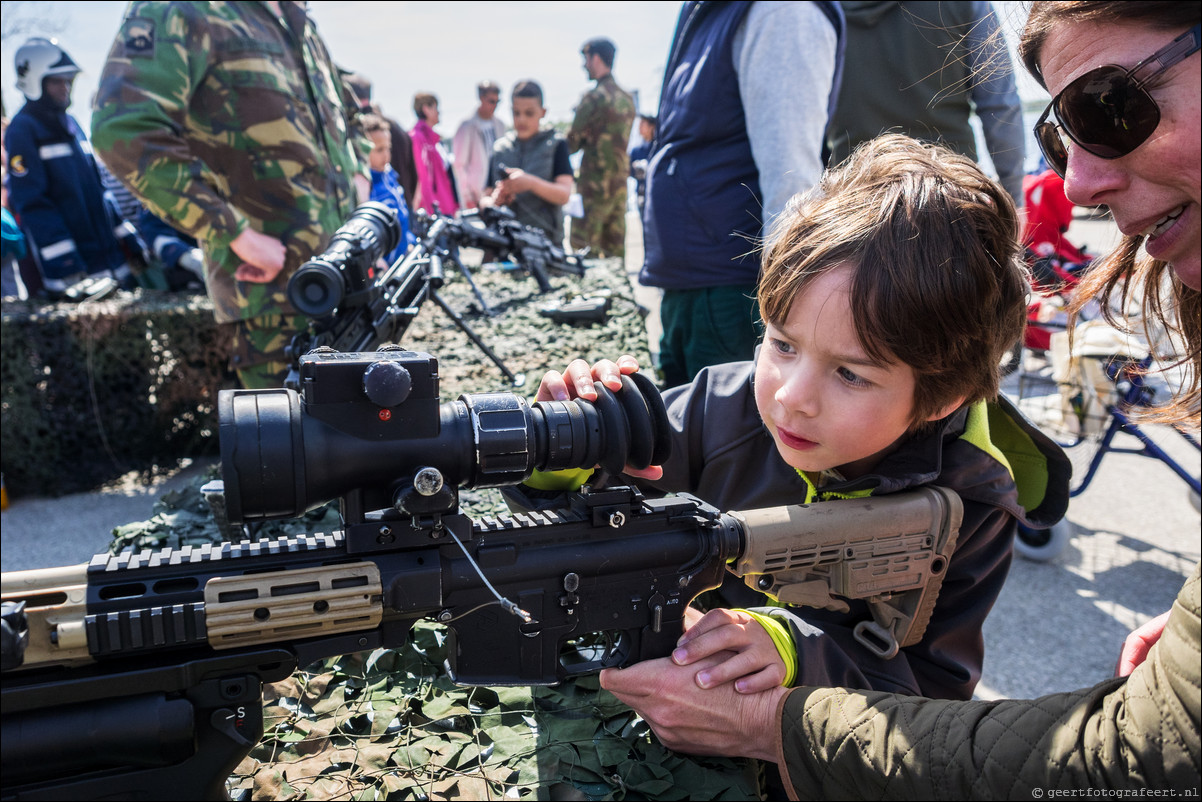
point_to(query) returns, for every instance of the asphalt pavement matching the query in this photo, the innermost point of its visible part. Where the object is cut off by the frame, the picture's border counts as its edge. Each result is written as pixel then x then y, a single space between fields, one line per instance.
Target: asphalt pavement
pixel 1058 625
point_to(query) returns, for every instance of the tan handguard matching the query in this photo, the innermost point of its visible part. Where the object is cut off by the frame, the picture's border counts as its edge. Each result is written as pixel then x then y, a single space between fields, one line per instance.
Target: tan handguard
pixel 891 551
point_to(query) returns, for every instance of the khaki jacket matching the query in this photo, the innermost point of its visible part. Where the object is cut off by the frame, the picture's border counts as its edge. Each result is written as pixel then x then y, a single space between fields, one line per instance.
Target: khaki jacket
pixel 1137 732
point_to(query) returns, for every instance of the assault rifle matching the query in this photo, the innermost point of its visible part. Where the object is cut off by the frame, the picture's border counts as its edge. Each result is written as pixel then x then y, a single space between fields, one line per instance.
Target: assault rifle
pixel 139 675
pixel 352 307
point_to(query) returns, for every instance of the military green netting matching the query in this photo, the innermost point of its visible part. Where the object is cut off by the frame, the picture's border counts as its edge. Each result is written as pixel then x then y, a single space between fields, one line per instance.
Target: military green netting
pixel 390 724
pixel 92 391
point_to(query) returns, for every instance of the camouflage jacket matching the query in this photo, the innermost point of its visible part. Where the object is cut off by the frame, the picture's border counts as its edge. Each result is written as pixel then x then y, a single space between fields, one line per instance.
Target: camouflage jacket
pixel 219 117
pixel 601 129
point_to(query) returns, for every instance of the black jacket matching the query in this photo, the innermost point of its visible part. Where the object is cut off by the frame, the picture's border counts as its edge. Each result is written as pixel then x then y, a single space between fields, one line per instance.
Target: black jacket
pixel 722 453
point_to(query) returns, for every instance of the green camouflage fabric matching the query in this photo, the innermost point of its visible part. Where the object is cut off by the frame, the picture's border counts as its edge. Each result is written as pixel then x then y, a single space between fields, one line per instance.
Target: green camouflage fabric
pixel 601 130
pixel 258 349
pixel 217 120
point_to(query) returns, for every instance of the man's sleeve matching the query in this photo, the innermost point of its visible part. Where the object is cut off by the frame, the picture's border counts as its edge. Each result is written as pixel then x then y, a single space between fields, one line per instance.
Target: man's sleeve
pixel 29 194
pixel 784 55
pixel 584 124
pixel 995 96
pixel 1141 732
pixel 561 163
pixel 140 115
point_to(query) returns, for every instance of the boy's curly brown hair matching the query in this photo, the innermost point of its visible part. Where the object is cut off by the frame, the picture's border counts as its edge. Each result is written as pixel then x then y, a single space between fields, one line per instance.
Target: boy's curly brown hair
pixel 937 280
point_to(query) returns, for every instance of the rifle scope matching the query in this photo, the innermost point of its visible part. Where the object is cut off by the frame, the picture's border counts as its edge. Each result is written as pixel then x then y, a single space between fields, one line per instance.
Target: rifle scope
pixel 343 272
pixel 369 426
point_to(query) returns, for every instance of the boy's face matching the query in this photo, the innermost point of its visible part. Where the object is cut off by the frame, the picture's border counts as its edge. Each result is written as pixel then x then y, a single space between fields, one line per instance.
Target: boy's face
pixel 824 402
pixel 646 130
pixel 527 113
pixel 381 152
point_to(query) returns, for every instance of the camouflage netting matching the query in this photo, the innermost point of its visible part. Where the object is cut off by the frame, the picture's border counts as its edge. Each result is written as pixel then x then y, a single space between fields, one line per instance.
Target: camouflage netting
pixel 390 724
pixel 92 391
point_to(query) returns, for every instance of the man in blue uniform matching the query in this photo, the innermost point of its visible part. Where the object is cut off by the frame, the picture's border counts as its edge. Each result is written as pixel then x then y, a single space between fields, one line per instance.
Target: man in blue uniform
pixel 54 186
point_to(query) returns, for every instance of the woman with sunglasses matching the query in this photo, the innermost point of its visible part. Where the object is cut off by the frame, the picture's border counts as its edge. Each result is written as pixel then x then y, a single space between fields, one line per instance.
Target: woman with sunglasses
pixel 1123 129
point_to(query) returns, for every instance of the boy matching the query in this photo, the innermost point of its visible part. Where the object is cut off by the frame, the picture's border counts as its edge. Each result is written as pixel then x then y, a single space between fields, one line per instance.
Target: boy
pixel 529 169
pixel 385 186
pixel 890 293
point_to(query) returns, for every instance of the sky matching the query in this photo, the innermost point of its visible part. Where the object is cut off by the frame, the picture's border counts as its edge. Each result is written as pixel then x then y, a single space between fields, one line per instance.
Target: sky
pixel 405 48
pixel 441 47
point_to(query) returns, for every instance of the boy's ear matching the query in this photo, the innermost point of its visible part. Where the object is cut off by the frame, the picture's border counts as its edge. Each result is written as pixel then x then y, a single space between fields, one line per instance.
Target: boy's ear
pixel 946 410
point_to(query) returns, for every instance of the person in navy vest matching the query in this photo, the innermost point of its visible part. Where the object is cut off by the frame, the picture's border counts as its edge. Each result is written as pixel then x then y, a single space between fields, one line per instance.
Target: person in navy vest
pixel 747 93
pixel 54 185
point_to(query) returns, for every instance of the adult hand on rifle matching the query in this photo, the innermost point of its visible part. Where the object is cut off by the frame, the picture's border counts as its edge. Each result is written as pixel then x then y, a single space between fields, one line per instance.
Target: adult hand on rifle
pixel 262 256
pixel 577 382
pixel 690 719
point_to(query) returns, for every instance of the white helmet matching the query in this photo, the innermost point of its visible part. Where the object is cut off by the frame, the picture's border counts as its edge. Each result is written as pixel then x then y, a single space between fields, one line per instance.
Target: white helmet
pixel 38 58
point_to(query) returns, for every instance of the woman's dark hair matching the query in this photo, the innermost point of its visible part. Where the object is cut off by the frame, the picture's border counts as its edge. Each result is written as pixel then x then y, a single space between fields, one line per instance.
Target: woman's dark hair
pixel 420 101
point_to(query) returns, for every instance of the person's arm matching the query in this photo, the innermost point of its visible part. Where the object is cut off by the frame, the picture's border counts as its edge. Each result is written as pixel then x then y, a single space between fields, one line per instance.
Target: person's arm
pixel 585 122
pixel 29 196
pixel 139 117
pixel 785 59
pixel 470 174
pixel 995 97
pixel 558 190
pixel 833 743
pixel 1138 732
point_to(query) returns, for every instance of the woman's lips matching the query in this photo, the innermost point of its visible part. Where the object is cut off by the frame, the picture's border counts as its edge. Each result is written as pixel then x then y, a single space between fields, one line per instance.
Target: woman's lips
pixel 794 441
pixel 1166 233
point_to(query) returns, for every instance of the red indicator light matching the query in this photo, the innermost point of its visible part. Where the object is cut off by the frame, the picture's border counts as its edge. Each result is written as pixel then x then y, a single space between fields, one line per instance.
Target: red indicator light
pixel 385 414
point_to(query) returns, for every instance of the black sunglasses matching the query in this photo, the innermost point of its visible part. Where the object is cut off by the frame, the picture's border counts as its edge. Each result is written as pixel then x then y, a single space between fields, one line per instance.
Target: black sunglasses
pixel 1107 111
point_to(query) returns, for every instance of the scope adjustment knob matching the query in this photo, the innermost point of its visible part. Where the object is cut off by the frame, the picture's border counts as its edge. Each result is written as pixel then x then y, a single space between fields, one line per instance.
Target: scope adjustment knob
pixel 387 383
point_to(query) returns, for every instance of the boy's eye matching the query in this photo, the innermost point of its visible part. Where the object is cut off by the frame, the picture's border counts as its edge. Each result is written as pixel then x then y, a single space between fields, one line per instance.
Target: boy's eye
pixel 780 346
pixel 852 378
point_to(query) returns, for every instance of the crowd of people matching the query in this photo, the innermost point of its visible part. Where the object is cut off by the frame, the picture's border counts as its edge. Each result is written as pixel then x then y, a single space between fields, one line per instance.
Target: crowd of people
pixel 840 281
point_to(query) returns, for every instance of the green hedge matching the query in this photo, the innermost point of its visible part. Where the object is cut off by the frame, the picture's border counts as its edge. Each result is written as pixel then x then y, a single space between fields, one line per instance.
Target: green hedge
pixel 92 391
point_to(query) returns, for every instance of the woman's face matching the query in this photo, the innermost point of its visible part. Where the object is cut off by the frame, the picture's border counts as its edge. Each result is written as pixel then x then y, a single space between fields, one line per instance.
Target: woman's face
pixel 1154 189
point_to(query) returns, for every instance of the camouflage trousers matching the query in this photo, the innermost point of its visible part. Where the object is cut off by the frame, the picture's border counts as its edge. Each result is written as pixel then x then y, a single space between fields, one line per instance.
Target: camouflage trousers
pixel 603 227
pixel 258 355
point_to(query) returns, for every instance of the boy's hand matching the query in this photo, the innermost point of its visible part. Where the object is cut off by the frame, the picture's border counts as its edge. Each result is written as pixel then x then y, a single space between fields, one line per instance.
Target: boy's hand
pixel 516 182
pixel 577 382
pixel 754 664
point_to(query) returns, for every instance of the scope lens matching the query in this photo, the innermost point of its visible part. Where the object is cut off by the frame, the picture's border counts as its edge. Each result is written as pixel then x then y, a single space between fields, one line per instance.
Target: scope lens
pixel 316 289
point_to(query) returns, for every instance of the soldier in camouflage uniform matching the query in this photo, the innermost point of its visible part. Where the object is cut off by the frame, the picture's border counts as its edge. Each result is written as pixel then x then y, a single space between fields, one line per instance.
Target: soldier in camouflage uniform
pixel 601 129
pixel 231 121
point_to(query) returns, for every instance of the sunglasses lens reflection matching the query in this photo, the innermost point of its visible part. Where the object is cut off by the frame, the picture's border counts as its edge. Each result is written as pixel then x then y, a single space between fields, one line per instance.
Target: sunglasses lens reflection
pixel 1107 113
pixel 1054 148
